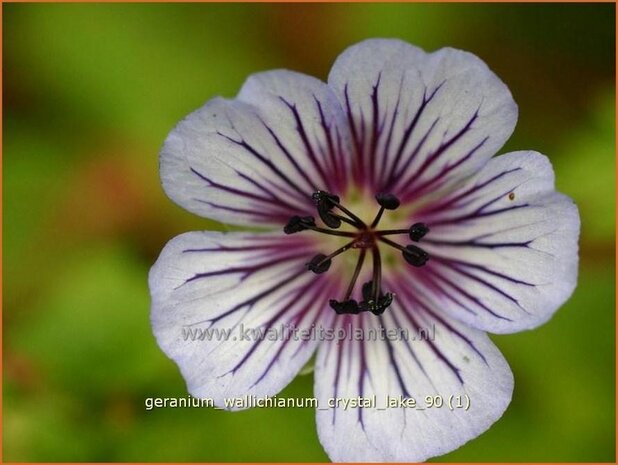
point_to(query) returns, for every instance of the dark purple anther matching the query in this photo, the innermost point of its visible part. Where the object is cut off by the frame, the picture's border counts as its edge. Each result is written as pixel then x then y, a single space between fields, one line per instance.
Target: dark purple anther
pixel 319 264
pixel 388 201
pixel 415 256
pixel 298 224
pixel 325 202
pixel 372 305
pixel 418 231
pixel 347 306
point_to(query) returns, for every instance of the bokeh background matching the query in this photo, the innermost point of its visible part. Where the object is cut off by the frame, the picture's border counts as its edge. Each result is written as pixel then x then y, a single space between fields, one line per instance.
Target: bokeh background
pixel 91 91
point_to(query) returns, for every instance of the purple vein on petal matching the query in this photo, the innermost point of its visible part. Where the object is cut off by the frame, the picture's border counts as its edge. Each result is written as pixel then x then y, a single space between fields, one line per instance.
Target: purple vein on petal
pixel 335 154
pixel 317 304
pixel 435 315
pixel 340 345
pixel 383 176
pixel 300 128
pixel 487 284
pixel 246 271
pixel 328 318
pixel 394 364
pixel 439 288
pixel 364 173
pixel 435 349
pixel 358 166
pixel 311 184
pixel 395 172
pixel 375 130
pixel 362 372
pixel 263 215
pixel 477 214
pixel 440 177
pixel 431 271
pixel 290 304
pixel 474 243
pixel 411 351
pixel 269 253
pixel 447 202
pixel 410 180
pixel 265 161
pixel 282 203
pixel 484 269
pixel 273 201
pixel 255 299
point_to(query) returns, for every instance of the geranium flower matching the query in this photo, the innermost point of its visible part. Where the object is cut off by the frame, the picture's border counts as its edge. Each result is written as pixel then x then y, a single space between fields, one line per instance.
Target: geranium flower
pixel 386 212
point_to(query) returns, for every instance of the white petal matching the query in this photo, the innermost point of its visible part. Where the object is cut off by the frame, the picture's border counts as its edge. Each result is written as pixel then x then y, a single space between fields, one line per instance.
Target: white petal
pixel 458 362
pixel 420 120
pixel 224 287
pixel 258 159
pixel 504 247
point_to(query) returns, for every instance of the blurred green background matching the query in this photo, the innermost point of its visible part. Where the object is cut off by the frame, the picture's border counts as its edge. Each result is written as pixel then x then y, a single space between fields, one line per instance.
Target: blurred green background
pixel 91 91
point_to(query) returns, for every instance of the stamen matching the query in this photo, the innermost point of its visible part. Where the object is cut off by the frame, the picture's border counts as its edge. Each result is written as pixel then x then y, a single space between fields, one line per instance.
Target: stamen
pixel 345 220
pixel 417 231
pixel 326 201
pixel 297 224
pixel 321 263
pixel 333 233
pixel 357 270
pixel 330 220
pixel 415 256
pixel 368 290
pixel 375 300
pixel 412 254
pixel 378 306
pixel 348 305
pixel 325 198
pixel 389 232
pixel 386 202
pixel 376 220
pixel 377 273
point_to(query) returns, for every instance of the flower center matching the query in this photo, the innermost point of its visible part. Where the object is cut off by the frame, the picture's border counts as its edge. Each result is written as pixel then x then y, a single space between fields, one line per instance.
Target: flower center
pixel 367 239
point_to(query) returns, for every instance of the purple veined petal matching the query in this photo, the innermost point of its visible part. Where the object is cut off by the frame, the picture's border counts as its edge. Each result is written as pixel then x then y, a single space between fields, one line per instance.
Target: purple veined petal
pixel 256 160
pixel 224 308
pixel 457 361
pixel 503 247
pixel 420 121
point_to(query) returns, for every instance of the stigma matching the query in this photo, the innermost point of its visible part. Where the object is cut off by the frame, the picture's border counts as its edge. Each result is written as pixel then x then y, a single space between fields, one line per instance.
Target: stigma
pixel 367 239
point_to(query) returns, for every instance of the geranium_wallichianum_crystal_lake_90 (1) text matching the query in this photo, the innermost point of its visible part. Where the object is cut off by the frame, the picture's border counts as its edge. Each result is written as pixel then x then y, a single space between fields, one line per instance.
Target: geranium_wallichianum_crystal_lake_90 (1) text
pixel 379 205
